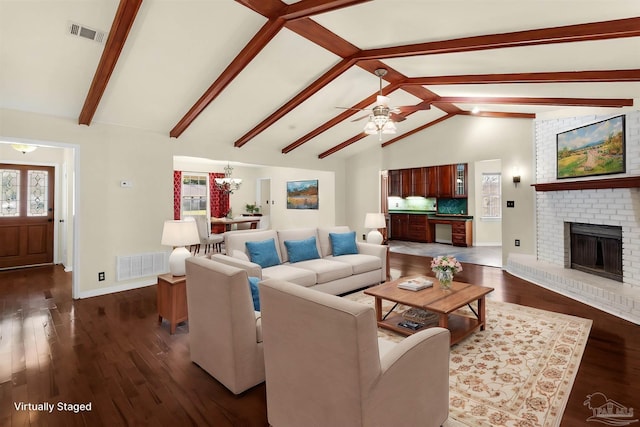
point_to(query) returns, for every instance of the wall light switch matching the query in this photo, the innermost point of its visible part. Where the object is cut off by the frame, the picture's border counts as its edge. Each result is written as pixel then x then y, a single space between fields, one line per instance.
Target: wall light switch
pixel 511 204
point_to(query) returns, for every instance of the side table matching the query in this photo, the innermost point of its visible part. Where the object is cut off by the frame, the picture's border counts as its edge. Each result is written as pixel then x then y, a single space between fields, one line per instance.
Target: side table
pixel 172 299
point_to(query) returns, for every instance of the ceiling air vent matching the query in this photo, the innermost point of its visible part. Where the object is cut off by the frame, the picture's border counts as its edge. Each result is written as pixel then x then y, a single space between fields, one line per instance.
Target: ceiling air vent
pixel 87 33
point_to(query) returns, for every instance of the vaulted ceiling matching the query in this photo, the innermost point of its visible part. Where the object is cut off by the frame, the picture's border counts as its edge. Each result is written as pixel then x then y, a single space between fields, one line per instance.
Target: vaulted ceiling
pixel 270 74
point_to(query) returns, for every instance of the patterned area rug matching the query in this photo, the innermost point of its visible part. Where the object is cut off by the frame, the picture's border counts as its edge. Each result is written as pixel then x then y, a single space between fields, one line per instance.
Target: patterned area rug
pixel 517 372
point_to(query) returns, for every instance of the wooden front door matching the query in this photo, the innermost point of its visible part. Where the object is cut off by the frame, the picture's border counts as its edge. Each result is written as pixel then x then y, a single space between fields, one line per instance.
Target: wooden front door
pixel 26 215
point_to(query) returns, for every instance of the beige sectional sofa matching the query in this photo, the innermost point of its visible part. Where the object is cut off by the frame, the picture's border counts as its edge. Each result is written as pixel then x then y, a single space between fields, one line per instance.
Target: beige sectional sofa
pixel 327 273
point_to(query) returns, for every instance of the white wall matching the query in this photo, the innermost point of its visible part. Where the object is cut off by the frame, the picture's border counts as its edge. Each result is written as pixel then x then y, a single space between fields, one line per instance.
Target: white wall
pixel 488 232
pixel 462 139
pixel 116 221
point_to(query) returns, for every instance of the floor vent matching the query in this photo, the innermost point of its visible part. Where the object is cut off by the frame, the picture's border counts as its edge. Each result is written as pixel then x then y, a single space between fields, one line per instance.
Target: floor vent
pixel 141 265
pixel 87 33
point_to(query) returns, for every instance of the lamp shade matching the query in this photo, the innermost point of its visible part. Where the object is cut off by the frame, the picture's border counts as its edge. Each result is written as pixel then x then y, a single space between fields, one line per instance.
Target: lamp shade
pixel 180 233
pixel 375 220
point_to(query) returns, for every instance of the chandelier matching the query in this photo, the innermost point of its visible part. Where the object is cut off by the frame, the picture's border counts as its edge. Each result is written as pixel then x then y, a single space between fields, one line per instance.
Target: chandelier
pixel 228 184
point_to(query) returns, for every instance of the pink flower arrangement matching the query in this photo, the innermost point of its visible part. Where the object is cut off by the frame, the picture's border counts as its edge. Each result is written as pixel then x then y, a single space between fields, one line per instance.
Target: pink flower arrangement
pixel 446 263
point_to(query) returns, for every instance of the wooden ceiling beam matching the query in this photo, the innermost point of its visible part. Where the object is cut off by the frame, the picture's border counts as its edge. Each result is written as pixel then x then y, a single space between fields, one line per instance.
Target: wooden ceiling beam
pixel 498 114
pixel 602 76
pixel 246 55
pixel 343 145
pixel 279 14
pixel 122 23
pixel 307 8
pixel 603 30
pixel 338 119
pixel 416 130
pixel 575 102
pixel 310 90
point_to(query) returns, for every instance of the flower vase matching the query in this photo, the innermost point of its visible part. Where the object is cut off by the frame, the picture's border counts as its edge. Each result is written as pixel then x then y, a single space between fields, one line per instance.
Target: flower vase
pixel 445 277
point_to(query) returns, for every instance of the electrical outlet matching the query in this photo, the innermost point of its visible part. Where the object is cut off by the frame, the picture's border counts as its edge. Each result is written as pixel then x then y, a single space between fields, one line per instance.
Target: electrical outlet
pixel 101 276
pixel 511 204
pixel 517 243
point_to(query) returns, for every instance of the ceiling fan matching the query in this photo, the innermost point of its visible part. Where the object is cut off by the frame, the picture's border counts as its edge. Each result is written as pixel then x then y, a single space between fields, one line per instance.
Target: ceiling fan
pixel 382 117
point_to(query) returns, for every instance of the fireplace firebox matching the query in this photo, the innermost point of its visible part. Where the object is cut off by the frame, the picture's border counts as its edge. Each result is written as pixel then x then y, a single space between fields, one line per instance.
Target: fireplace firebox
pixel 597 249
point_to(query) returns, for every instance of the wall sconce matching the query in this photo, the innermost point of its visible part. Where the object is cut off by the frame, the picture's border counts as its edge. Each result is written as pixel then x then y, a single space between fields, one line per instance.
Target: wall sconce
pixel 516 176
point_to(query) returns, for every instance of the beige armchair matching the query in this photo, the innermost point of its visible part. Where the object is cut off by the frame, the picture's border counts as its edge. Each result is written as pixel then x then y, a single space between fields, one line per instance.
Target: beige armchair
pixel 324 366
pixel 224 330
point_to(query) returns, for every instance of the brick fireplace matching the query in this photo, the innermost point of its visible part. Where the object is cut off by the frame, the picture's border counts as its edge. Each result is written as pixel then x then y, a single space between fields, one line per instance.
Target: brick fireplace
pixel 558 206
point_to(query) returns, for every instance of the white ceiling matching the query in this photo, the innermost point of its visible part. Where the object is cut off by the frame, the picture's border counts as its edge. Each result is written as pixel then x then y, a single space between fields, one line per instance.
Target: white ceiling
pixel 177 48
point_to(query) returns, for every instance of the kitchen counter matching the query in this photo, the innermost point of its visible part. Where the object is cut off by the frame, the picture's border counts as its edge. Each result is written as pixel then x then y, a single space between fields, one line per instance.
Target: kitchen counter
pixel 451 217
pixel 411 212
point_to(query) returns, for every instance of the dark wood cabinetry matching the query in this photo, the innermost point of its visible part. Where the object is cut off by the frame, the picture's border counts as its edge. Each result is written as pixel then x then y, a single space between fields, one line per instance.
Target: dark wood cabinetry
pixel 461 233
pixel 446 181
pixel 395 179
pixel 399 225
pixel 413 227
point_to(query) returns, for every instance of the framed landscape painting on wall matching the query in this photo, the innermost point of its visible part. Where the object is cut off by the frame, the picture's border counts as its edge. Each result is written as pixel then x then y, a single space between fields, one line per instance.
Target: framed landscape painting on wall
pixel 302 194
pixel 595 149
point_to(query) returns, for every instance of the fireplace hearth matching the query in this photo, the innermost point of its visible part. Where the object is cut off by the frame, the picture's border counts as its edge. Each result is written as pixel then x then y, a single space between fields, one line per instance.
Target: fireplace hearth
pixel 597 249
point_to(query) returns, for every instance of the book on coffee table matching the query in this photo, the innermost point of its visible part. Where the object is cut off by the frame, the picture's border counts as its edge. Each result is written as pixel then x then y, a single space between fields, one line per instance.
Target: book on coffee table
pixel 415 284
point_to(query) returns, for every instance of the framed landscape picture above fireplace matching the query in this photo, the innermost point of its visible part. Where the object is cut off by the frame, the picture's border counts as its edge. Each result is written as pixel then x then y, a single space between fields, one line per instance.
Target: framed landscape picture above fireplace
pixel 595 149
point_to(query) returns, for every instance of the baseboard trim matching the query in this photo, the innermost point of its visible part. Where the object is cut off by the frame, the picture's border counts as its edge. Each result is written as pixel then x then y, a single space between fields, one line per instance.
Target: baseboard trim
pixel 118 288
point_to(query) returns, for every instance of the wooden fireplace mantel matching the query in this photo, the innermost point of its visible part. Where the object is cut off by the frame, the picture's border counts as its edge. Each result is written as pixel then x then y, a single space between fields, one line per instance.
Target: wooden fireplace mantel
pixel 594 184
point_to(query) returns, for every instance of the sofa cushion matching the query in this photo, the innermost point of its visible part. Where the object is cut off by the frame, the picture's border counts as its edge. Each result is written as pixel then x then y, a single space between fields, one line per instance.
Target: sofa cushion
pixel 360 263
pixel 235 240
pixel 263 253
pixel 289 273
pixel 294 234
pixel 327 270
pixel 323 238
pixel 255 294
pixel 343 243
pixel 302 250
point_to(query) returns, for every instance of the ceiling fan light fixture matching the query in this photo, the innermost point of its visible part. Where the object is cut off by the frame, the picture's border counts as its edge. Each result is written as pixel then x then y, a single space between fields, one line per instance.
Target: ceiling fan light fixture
pixel 389 128
pixel 370 128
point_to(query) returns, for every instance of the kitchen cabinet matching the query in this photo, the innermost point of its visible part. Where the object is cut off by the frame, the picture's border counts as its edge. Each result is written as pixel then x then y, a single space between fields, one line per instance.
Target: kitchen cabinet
pixel 406 182
pixel 399 226
pixel 446 178
pixel 461 233
pixel 414 182
pixel 460 182
pixel 395 179
pixel 432 181
pixel 412 227
pixel 445 181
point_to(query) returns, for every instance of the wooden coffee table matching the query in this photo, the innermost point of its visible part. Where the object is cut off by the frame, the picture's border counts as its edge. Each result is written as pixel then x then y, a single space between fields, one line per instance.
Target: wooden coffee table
pixel 436 300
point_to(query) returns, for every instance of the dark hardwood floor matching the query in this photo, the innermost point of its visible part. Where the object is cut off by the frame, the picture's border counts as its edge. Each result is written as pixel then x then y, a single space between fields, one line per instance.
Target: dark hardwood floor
pixel 110 351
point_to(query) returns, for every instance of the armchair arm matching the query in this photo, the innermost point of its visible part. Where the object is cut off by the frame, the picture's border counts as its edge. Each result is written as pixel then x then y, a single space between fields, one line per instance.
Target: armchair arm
pixel 418 369
pixel 376 250
pixel 252 269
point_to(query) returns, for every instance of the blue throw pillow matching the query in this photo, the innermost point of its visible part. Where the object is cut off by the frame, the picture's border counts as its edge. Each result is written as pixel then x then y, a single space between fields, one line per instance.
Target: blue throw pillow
pixel 263 253
pixel 302 250
pixel 343 243
pixel 253 285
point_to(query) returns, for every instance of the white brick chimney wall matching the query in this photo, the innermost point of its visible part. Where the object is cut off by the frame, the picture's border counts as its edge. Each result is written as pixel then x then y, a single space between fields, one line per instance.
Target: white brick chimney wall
pixel 618 207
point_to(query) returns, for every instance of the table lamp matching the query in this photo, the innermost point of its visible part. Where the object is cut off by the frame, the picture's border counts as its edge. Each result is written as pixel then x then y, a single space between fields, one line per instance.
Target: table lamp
pixel 179 234
pixel 374 221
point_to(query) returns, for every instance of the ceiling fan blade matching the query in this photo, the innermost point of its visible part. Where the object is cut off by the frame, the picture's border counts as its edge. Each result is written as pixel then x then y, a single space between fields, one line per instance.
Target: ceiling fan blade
pixel 397 117
pixel 349 108
pixel 360 118
pixel 424 105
